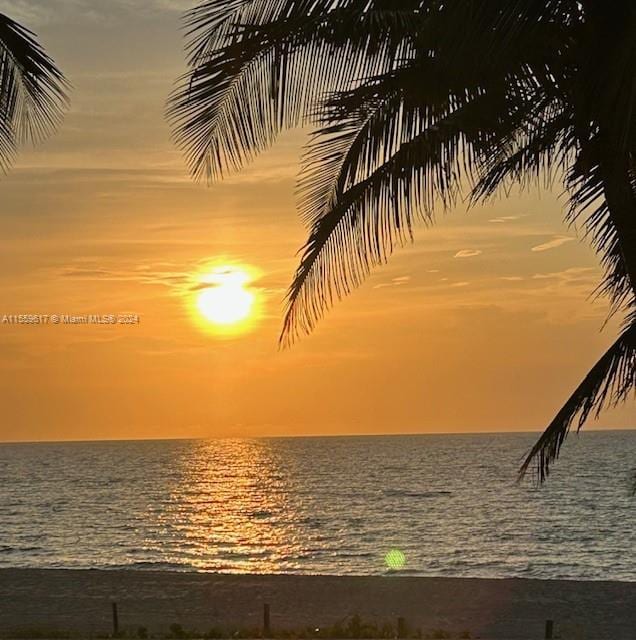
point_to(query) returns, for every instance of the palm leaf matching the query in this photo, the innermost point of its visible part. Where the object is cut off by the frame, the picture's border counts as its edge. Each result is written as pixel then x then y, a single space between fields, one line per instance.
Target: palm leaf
pixel 377 213
pixel 394 154
pixel 415 100
pixel 269 72
pixel 589 206
pixel 609 382
pixel 32 90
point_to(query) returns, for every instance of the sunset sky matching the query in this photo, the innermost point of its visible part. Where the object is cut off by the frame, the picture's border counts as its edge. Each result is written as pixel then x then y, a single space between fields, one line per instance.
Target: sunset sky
pixel 486 323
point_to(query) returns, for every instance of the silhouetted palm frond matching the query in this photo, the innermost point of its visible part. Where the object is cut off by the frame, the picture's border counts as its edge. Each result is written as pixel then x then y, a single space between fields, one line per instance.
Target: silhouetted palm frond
pixel 373 200
pixel 32 90
pixel 261 67
pixel 393 148
pixel 417 102
pixel 610 381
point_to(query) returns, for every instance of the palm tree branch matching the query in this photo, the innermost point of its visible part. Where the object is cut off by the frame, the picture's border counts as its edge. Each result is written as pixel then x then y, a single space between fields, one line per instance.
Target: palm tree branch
pixel 264 78
pixel 373 215
pixel 609 382
pixel 32 89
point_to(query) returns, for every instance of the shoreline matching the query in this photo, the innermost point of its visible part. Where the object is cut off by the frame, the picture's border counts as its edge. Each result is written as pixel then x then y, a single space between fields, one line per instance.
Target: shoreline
pixel 79 602
pixel 388 575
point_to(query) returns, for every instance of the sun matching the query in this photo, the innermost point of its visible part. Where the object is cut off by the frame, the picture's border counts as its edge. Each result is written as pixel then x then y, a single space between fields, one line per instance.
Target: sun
pixel 225 300
pixel 225 303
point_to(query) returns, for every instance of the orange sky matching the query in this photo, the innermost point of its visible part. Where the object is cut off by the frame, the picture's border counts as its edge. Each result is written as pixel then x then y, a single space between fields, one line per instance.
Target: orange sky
pixel 484 324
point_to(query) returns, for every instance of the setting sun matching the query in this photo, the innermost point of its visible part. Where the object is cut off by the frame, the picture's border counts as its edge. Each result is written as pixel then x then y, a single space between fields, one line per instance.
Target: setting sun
pixel 225 300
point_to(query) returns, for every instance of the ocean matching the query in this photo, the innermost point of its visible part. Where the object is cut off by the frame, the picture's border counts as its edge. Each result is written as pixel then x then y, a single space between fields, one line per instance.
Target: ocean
pixel 431 505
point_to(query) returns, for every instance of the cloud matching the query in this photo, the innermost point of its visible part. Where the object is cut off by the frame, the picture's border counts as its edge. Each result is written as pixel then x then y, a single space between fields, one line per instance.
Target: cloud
pixel 502 219
pixel 557 241
pixel 155 274
pixel 395 282
pixel 467 253
pixel 37 13
pixel 175 5
pixel 571 275
pixel 28 13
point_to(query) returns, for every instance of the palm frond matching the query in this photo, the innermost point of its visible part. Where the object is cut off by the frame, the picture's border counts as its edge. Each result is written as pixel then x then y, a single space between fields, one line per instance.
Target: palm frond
pixel 393 150
pixel 589 206
pixel 32 90
pixel 536 147
pixel 609 382
pixel 209 24
pixel 270 70
pixel 373 215
pixel 362 129
pixel 415 100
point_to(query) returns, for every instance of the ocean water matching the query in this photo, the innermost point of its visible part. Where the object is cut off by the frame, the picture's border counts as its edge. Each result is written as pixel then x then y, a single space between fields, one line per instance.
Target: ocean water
pixel 438 505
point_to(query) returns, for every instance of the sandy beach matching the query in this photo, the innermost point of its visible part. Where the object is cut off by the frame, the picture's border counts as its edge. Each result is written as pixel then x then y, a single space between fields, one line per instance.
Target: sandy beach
pixel 44 602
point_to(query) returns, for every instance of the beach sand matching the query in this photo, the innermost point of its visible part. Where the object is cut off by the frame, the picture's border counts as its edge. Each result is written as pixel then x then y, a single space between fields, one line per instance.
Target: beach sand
pixel 80 602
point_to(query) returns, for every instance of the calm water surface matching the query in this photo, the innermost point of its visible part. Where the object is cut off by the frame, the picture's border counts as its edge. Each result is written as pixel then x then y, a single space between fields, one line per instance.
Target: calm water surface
pixel 450 504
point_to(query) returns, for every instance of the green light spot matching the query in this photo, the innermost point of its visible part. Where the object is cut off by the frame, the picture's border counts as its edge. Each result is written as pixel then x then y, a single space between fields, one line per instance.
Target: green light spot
pixel 395 559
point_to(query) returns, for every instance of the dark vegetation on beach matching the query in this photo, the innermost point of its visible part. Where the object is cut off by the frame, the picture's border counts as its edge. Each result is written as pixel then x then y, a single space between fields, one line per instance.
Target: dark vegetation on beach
pixel 181 606
pixel 354 628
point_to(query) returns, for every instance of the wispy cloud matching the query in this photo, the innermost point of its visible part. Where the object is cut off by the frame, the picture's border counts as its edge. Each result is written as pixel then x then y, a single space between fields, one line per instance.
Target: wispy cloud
pixel 467 253
pixel 29 13
pixel 395 282
pixel 502 219
pixel 571 275
pixel 157 274
pixel 37 13
pixel 557 241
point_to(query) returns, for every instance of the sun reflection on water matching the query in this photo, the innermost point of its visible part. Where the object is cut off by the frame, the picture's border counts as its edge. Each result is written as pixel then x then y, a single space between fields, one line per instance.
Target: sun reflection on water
pixel 237 515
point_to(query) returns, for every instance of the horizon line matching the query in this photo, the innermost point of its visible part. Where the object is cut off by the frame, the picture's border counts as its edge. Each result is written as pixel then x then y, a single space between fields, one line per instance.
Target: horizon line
pixel 308 436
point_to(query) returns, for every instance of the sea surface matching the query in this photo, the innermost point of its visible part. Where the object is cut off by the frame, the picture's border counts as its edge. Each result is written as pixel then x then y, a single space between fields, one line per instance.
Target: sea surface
pixel 435 505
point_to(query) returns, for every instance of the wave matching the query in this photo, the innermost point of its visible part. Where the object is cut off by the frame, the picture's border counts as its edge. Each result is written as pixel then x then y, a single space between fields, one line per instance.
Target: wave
pixel 409 493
